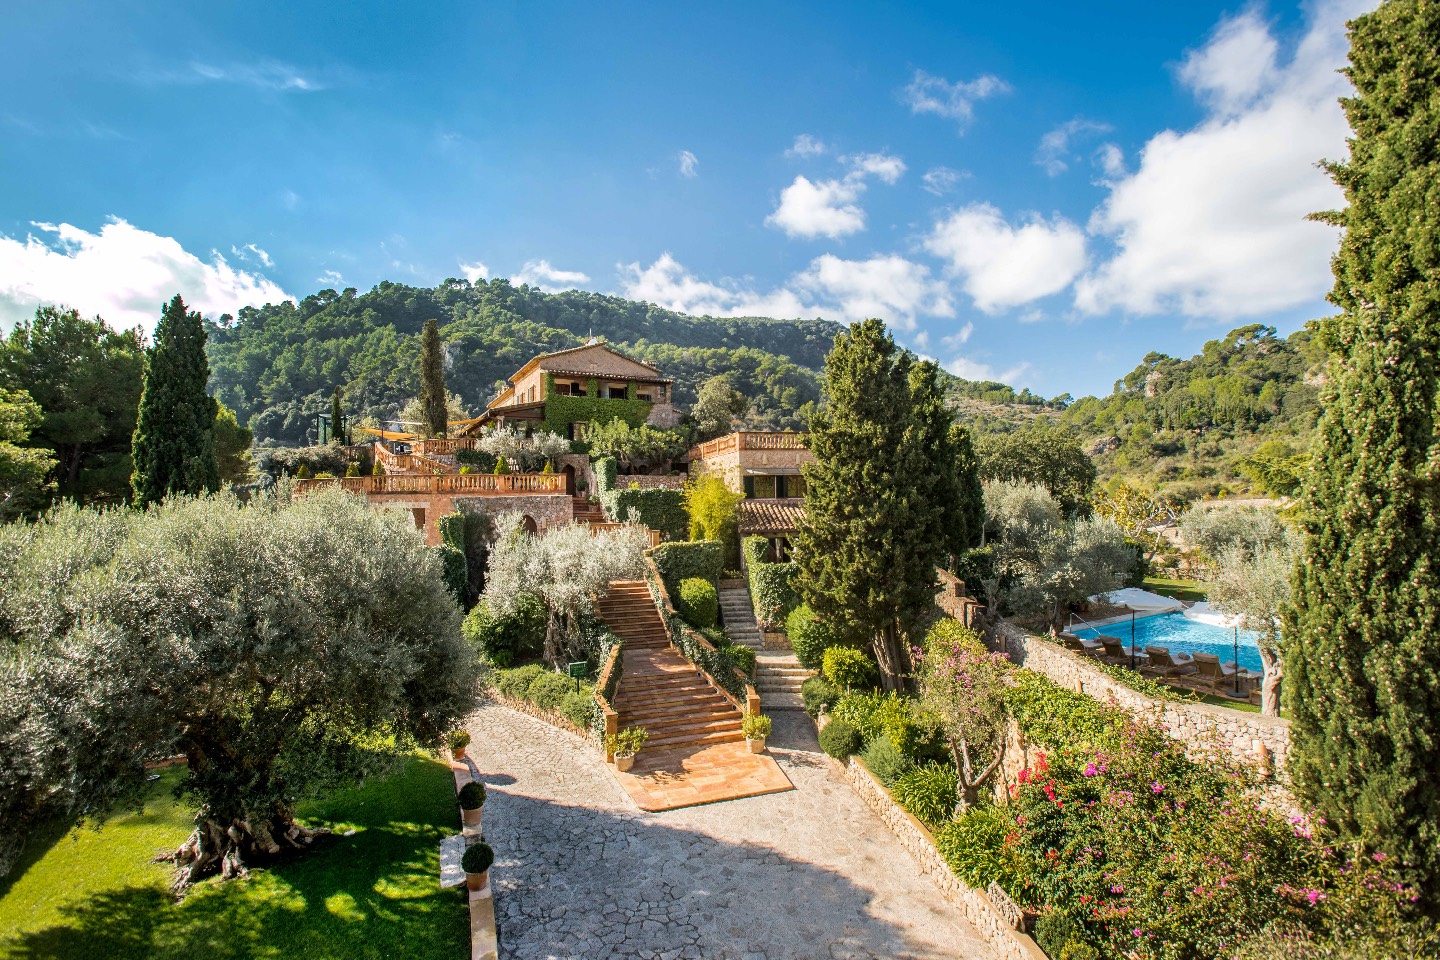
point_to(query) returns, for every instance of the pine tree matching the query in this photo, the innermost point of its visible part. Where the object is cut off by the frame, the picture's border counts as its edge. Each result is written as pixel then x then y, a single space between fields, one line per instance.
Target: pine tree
pixel 1362 640
pixel 873 534
pixel 337 432
pixel 432 380
pixel 174 445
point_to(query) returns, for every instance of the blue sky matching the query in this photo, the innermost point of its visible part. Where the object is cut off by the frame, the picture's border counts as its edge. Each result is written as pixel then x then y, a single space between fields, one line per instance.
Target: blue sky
pixel 1031 192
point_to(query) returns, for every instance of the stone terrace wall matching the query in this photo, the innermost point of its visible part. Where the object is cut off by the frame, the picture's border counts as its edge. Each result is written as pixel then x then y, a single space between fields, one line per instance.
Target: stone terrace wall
pixel 548 510
pixel 1003 939
pixel 1258 740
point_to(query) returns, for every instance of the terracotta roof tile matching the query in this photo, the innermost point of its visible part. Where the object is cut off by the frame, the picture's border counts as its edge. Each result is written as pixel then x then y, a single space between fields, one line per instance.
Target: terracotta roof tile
pixel 771 515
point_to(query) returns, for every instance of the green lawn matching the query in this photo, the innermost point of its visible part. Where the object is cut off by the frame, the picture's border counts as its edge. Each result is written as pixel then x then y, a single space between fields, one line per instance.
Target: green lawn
pixel 1188 590
pixel 83 893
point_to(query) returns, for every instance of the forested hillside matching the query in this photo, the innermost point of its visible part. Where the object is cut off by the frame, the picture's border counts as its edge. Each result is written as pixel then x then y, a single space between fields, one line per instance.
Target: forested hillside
pixel 1188 428
pixel 277 365
pixel 1185 427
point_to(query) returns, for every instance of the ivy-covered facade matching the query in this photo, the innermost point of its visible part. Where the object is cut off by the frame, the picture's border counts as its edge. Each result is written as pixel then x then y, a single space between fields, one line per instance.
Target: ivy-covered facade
pixel 566 391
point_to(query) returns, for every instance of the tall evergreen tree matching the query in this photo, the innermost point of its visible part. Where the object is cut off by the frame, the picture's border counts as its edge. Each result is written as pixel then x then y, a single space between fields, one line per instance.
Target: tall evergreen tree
pixel 432 380
pixel 337 432
pixel 950 471
pixel 174 445
pixel 873 533
pixel 1362 639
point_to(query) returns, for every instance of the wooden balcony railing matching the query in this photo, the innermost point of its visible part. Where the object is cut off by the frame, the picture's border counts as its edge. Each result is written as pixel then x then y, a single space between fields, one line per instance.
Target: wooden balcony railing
pixel 410 462
pixel 461 484
pixel 749 440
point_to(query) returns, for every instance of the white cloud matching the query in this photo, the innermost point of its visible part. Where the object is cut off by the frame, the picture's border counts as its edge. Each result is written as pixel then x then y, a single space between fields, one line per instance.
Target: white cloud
pixel 960 337
pixel 121 273
pixel 824 208
pixel 941 180
pixel 1054 153
pixel 882 166
pixel 927 93
pixel 477 271
pixel 1004 266
pixel 268 75
pixel 806 146
pixel 1235 67
pixel 688 164
pixel 968 369
pixel 830 208
pixel 331 278
pixel 890 287
pixel 539 273
pixel 666 283
pixel 1111 160
pixel 251 252
pixel 1212 221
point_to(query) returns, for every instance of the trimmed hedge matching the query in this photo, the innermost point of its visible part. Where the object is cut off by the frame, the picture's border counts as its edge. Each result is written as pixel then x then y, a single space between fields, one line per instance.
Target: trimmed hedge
pixel 884 759
pixel 742 656
pixel 847 667
pixel 809 636
pixel 818 693
pixel 682 560
pixel 483 462
pixel 772 585
pixel 840 739
pixel 514 683
pixel 549 690
pixel 659 508
pixel 698 602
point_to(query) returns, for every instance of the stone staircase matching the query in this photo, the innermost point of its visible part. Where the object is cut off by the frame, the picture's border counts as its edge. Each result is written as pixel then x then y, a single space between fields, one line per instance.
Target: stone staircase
pixel 778 674
pixel 660 690
pixel 587 512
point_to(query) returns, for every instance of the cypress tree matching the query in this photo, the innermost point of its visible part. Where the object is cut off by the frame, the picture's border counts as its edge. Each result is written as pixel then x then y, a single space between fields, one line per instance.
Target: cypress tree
pixel 948 469
pixel 173 449
pixel 1362 639
pixel 337 432
pixel 432 380
pixel 872 536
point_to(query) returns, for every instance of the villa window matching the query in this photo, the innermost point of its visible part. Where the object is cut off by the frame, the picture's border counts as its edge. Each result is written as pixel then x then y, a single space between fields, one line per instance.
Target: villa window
pixel 643 396
pixel 576 430
pixel 749 485
pixel 530 394
pixel 765 487
pixel 616 392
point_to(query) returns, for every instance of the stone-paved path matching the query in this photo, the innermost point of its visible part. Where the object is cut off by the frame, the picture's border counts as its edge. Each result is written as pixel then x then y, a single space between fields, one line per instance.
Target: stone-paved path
pixel 580 873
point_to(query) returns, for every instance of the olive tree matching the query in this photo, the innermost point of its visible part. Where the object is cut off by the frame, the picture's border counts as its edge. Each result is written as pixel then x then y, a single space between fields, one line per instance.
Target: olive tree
pixel 1255 585
pixel 529 453
pixel 1068 564
pixel 566 567
pixel 280 647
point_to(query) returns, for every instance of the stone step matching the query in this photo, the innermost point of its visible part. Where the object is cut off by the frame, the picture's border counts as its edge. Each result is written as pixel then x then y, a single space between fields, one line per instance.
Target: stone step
pixel 692 740
pixel 681 726
pixel 641 712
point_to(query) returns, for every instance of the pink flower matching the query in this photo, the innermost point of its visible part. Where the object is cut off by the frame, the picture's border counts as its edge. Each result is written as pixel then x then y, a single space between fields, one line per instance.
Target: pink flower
pixel 1089 770
pixel 1379 857
pixel 1157 787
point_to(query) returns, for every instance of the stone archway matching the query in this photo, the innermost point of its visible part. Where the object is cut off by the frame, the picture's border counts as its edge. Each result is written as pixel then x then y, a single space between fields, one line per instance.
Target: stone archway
pixel 569 471
pixel 527 523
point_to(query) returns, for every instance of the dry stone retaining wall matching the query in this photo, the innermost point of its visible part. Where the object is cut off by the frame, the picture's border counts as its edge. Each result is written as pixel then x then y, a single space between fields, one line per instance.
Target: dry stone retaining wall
pixel 1003 939
pixel 1252 738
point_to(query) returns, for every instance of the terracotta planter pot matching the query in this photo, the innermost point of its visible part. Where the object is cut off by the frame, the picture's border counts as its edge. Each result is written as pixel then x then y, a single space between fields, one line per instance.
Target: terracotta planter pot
pixel 476 881
pixel 756 746
pixel 624 761
pixel 471 818
pixel 458 754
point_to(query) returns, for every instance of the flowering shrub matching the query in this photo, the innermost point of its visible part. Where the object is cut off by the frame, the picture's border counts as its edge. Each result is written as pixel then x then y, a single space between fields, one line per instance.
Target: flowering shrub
pixel 1151 855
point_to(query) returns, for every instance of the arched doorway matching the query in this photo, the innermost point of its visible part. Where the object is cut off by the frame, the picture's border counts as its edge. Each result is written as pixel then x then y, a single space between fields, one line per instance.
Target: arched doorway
pixel 569 472
pixel 527 523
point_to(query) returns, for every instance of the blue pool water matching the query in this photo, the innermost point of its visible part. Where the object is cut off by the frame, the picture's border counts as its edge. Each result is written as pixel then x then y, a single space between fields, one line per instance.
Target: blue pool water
pixel 1179 635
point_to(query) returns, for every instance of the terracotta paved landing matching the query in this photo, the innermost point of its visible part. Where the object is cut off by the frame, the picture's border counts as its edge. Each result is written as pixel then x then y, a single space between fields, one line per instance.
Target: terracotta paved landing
pixel 674 777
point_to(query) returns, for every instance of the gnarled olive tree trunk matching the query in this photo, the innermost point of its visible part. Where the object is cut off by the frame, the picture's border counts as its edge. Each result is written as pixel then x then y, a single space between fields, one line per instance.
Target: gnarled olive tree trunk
pixel 230 846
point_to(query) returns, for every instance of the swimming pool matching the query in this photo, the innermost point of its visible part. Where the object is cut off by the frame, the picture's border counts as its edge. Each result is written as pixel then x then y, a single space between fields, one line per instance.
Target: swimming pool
pixel 1181 635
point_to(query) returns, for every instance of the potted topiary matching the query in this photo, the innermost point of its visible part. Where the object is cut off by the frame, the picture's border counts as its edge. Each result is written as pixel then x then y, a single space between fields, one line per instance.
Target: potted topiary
pixel 476 863
pixel 457 740
pixel 756 727
pixel 472 800
pixel 625 745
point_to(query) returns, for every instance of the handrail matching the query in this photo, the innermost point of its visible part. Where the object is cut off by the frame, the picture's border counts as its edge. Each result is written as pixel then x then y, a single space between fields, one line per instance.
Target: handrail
pixel 612 671
pixel 671 617
pixel 750 440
